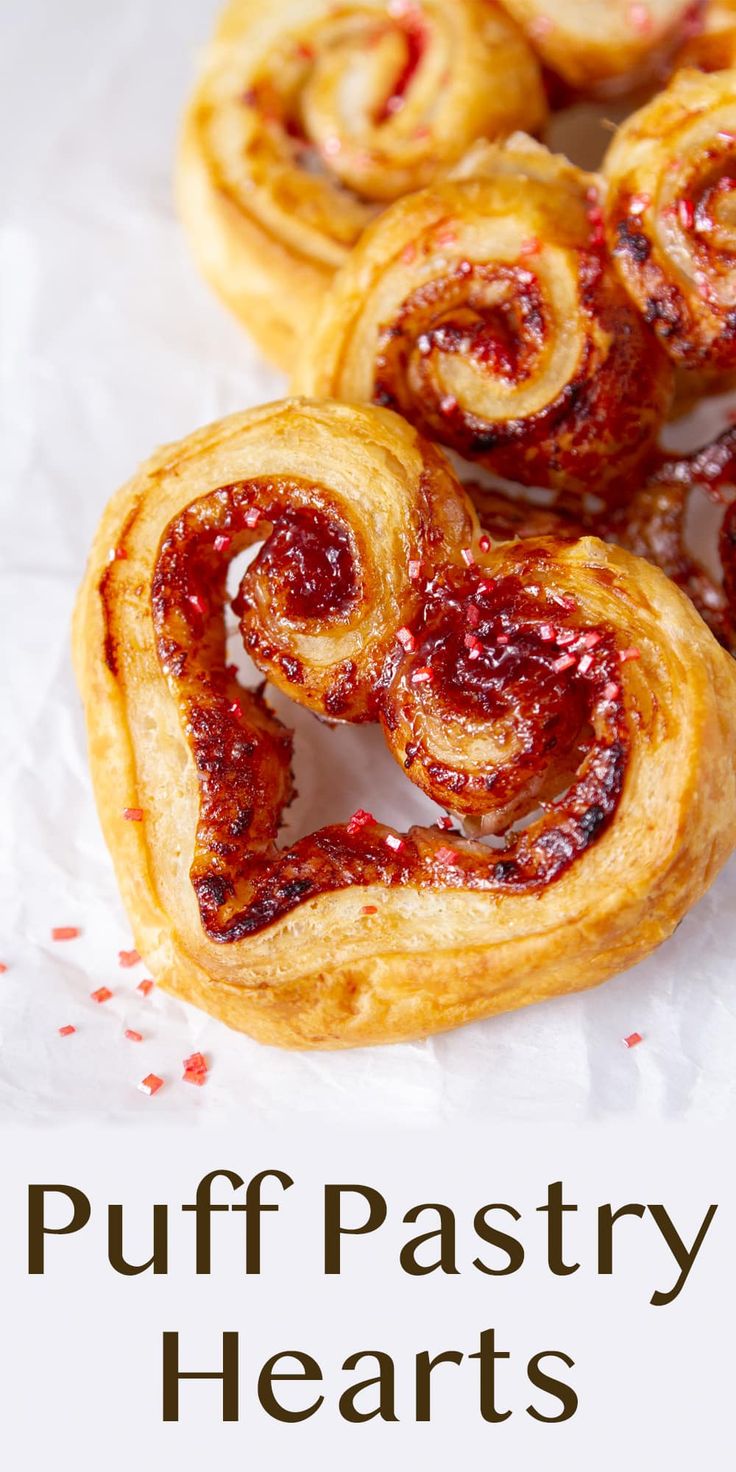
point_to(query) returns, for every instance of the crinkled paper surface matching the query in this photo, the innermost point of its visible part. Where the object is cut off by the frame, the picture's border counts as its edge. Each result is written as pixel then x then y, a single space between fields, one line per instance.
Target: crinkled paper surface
pixel 110 346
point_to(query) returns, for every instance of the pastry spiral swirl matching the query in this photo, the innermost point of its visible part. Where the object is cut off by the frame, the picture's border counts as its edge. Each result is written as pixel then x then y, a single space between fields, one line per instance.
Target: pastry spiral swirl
pixel 485 311
pixel 568 675
pixel 606 44
pixel 308 117
pixel 671 216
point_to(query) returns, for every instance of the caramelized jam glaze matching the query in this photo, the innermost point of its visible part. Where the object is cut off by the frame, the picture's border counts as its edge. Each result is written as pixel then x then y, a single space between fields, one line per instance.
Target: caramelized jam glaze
pixel 497 655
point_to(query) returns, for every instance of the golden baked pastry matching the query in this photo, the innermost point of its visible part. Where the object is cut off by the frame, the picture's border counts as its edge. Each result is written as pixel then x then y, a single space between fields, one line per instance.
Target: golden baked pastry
pixel 309 116
pixel 671 216
pixel 485 310
pixel 652 523
pixel 713 45
pixel 606 44
pixel 569 675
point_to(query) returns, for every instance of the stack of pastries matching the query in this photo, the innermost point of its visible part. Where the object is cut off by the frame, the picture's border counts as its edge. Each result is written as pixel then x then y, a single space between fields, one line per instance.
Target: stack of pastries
pixel 367 186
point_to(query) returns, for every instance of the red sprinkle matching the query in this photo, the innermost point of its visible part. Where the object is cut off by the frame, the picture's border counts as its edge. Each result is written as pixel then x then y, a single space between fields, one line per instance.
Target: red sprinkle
pixel 415 569
pixel 65 932
pixel 406 639
pixel 3 968
pixel 446 856
pixel 151 1084
pixel 369 910
pixel 627 654
pixel 686 212
pixel 445 824
pixel 132 1036
pixel 474 645
pixel 394 842
pixel 235 708
pixel 195 1063
pixel 252 517
pixel 472 614
pixel 360 819
pixel 585 663
pixel 565 662
pixel 640 18
pixel 467 556
pixel 422 676
pixel 190 1076
pixel 546 633
pixel 448 404
pixel 633 1038
pixel 128 958
pixel 611 691
pixel 103 994
pixel 484 543
pixel 134 815
pixel 222 542
pixel 66 1032
pixel 196 601
pixel 145 988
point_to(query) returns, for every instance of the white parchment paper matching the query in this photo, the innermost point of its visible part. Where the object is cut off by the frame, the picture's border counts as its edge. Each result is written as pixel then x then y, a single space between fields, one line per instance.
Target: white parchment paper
pixel 111 345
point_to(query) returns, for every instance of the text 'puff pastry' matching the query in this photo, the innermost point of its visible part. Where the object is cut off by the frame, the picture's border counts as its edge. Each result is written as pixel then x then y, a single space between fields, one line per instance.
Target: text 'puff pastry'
pixel 309 117
pixel 567 684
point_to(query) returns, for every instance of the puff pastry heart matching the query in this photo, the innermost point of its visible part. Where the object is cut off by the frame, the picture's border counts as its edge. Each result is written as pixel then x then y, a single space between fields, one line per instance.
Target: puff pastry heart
pixel 486 311
pixel 309 116
pixel 571 676
pixel 671 216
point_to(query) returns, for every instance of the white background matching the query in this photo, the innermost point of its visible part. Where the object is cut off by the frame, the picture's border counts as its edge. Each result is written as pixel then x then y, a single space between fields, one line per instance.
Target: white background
pixel 111 345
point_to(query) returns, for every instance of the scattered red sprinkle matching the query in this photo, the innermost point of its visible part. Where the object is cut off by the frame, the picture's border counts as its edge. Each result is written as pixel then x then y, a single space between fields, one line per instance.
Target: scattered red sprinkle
pixel 611 691
pixel 128 958
pixel 3 968
pixel 468 556
pixel 640 18
pixel 235 708
pixel 117 554
pixel 196 601
pixel 445 824
pixel 252 517
pixel 686 212
pixel 406 639
pixel 633 1038
pixel 132 1036
pixel 422 676
pixel 546 633
pixel 415 569
pixel 472 614
pixel 446 856
pixel 195 1064
pixel 503 638
pixel 565 662
pixel 590 640
pixel 484 543
pixel 394 842
pixel 65 932
pixel 369 910
pixel 66 1032
pixel 566 636
pixel 151 1084
pixel 448 404
pixel 585 663
pixel 133 815
pixel 145 987
pixel 627 654
pixel 103 994
pixel 191 1076
pixel 530 247
pixel 474 645
pixel 639 203
pixel 360 819
pixel 222 542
